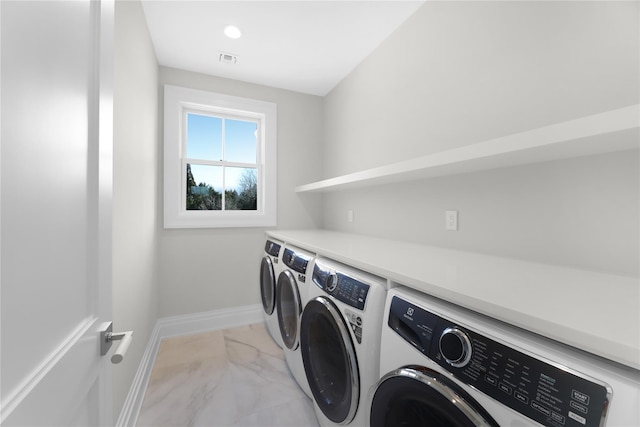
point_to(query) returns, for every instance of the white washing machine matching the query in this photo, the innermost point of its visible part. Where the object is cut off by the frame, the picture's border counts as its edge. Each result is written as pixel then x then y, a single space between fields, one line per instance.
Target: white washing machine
pixel 291 297
pixel 444 365
pixel 270 268
pixel 340 341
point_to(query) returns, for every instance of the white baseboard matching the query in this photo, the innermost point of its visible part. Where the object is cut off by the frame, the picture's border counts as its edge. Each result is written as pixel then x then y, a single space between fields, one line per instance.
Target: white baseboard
pixel 210 320
pixel 132 404
pixel 174 326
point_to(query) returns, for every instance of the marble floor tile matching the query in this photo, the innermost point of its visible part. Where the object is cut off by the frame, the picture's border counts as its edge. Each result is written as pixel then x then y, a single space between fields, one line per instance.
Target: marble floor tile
pixel 230 377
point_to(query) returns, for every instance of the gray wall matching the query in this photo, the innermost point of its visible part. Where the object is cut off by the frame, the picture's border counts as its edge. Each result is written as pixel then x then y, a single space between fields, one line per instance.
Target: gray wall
pixel 135 188
pixel 457 73
pixel 210 269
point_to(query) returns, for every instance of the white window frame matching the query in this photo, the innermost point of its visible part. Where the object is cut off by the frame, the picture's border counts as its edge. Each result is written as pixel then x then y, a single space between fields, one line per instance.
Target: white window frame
pixel 179 101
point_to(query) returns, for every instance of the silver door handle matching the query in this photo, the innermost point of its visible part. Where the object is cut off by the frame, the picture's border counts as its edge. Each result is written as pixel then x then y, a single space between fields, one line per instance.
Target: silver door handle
pixel 107 337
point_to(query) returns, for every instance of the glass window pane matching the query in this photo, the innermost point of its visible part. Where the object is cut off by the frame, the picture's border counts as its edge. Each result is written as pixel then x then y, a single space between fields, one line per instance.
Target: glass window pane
pixel 204 187
pixel 242 189
pixel 204 137
pixel 240 141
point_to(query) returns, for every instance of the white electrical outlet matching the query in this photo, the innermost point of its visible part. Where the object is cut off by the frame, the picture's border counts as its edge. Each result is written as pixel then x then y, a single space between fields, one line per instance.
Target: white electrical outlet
pixel 349 215
pixel 451 221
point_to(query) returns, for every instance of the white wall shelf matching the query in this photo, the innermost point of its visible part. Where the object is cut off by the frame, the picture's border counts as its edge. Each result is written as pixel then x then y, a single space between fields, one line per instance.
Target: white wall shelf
pixel 611 131
pixel 581 308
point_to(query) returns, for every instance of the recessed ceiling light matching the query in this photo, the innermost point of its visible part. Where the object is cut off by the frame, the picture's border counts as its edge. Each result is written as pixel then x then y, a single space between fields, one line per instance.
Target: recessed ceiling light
pixel 232 32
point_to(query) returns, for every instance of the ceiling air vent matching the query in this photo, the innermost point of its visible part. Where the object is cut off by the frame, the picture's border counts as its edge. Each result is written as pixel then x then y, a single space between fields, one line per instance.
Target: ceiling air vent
pixel 227 58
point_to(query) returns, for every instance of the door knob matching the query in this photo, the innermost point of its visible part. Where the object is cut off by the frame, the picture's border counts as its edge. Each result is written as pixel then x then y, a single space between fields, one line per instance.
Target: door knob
pixel 107 336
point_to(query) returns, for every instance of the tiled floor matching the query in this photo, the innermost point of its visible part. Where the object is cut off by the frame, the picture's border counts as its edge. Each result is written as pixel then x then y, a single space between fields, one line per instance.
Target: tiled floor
pixel 230 377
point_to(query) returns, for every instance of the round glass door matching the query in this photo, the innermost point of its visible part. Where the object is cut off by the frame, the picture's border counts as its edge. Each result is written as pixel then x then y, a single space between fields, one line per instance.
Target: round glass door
pixel 329 360
pixel 289 309
pixel 416 396
pixel 267 285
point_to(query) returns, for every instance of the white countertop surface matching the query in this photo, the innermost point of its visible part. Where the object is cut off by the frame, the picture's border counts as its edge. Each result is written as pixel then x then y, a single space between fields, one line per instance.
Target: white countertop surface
pixel 596 312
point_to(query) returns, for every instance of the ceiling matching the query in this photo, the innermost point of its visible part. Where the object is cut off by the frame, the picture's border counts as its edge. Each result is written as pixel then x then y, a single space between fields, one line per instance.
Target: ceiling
pixel 304 46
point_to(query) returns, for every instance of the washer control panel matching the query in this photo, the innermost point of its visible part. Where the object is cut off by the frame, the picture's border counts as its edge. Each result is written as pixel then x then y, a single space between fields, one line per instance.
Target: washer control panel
pixel 341 286
pixel 546 393
pixel 296 261
pixel 272 248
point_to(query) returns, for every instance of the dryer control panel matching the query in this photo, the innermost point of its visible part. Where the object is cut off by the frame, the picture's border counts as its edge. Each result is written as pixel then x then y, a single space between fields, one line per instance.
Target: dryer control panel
pixel 341 286
pixel 551 395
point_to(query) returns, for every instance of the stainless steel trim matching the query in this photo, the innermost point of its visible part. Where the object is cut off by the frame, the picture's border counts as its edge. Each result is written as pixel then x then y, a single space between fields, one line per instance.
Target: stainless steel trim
pixel 268 306
pixel 438 382
pixel 291 282
pixel 466 347
pixel 332 282
pixel 345 335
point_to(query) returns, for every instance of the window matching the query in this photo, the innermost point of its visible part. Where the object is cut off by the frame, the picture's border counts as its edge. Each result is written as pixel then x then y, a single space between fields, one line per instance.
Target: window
pixel 219 160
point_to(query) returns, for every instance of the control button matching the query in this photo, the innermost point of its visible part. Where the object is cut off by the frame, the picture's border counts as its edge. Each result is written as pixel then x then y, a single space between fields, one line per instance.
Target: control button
pixel 557 417
pixel 578 418
pixel 521 397
pixel 579 407
pixel 505 388
pixel 359 321
pixel 538 407
pixel 490 380
pixel 580 397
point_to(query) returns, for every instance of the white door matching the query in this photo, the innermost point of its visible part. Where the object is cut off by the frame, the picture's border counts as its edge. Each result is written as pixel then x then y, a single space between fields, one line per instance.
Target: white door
pixel 55 200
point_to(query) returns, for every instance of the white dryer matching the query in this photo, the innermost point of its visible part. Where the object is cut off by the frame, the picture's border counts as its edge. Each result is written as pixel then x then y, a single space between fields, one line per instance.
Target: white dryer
pixel 291 297
pixel 340 341
pixel 441 364
pixel 269 271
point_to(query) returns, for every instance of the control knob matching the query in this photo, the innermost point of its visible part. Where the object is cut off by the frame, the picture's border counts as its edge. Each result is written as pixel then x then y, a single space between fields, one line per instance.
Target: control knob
pixel 455 347
pixel 332 282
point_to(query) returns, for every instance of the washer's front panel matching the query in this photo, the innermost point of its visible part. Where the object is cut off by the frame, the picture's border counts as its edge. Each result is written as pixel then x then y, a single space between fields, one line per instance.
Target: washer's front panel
pixel 539 390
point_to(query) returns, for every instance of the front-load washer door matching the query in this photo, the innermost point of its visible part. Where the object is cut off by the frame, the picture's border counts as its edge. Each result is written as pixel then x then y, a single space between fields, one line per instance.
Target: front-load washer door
pixel 418 396
pixel 267 285
pixel 329 359
pixel 289 309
